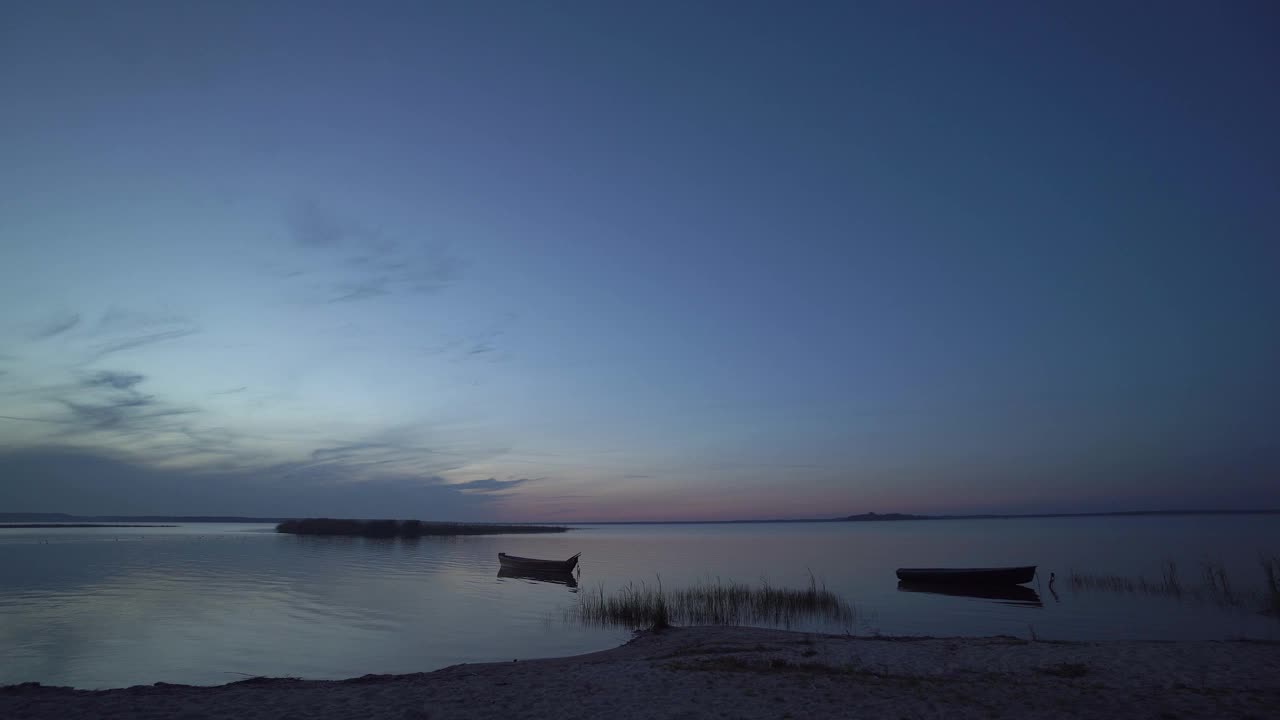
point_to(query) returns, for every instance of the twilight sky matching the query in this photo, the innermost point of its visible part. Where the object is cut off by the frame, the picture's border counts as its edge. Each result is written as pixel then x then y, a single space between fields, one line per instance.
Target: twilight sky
pixel 558 261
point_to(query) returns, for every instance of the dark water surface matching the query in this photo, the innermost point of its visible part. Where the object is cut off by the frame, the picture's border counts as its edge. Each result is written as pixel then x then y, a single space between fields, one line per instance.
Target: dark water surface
pixel 213 603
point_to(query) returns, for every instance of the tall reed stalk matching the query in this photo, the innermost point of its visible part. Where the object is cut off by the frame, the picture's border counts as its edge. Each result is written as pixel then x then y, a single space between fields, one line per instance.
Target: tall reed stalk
pixel 1271 570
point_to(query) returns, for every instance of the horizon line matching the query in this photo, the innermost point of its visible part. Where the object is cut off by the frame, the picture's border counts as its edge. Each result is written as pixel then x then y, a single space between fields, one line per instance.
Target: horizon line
pixel 862 517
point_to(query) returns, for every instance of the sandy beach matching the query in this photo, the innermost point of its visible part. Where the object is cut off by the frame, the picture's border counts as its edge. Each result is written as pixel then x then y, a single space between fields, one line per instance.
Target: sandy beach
pixel 745 673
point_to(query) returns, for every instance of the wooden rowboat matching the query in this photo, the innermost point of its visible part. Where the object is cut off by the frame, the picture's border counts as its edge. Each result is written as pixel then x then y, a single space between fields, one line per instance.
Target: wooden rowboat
pixel 511 562
pixel 969 576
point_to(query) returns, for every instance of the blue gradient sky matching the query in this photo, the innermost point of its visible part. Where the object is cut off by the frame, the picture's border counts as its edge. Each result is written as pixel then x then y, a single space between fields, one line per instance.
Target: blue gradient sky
pixel 619 260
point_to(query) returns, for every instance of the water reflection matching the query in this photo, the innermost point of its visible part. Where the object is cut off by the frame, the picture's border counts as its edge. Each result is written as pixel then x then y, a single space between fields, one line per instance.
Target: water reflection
pixel 543 576
pixel 1005 594
pixel 207 604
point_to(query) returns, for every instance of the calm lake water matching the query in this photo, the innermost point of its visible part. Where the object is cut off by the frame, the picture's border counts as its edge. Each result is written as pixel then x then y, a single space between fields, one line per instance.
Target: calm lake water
pixel 212 603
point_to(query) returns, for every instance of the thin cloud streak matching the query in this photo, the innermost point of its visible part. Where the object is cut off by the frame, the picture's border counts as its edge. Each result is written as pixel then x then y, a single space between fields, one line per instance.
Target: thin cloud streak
pixel 99 482
pixel 115 346
pixel 117 380
pixel 371 289
pixel 368 264
pixel 34 419
pixel 57 327
pixel 488 485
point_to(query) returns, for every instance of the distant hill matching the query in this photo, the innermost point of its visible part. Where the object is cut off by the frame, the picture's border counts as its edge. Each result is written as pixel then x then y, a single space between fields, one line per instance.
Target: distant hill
pixel 873 517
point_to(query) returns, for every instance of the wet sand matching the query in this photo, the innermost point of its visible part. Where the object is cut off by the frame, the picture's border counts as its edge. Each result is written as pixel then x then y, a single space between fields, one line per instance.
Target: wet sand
pixel 745 673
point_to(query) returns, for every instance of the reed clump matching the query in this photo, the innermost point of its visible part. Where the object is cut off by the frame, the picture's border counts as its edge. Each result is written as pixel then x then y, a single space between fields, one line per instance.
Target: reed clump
pixel 1271 571
pixel 403 528
pixel 1169 583
pixel 1218 586
pixel 1114 583
pixel 1215 585
pixel 719 603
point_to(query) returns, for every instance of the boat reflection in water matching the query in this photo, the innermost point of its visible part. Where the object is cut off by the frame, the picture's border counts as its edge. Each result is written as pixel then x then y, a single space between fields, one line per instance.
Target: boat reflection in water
pixel 1004 594
pixel 557 577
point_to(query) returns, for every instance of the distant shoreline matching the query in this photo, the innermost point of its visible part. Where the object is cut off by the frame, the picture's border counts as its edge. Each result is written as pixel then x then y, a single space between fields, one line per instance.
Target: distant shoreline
pixel 64 518
pixel 904 517
pixel 77 525
pixel 68 520
pixel 873 517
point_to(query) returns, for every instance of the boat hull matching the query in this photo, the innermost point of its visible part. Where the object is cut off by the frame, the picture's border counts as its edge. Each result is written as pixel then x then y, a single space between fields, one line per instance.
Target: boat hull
pixel 513 562
pixel 556 577
pixel 969 576
pixel 1005 594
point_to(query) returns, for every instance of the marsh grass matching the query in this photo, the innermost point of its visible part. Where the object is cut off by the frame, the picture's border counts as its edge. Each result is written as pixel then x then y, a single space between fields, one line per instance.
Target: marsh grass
pixel 1271 571
pixel 1216 585
pixel 1169 583
pixel 719 603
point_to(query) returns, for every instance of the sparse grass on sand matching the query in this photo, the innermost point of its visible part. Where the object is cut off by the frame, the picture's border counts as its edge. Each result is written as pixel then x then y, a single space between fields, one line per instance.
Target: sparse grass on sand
pixel 403 528
pixel 1065 670
pixel 1216 586
pixel 718 603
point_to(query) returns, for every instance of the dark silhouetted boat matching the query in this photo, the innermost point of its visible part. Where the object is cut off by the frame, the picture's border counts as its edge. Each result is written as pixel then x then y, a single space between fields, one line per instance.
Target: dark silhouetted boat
pixel 557 577
pixel 1005 594
pixel 969 576
pixel 511 562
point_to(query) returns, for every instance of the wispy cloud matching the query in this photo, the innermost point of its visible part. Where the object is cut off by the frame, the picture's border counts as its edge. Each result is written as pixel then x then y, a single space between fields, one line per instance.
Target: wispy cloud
pixel 20 418
pixel 488 485
pixel 109 482
pixel 363 261
pixel 482 342
pixel 115 409
pixel 371 288
pixel 312 226
pixel 109 400
pixel 56 326
pixel 117 380
pixel 118 413
pixel 575 496
pixel 363 450
pixel 118 319
pixel 393 450
pixel 110 347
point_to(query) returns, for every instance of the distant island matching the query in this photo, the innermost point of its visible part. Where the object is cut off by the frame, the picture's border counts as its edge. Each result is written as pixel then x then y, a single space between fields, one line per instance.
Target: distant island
pixel 872 517
pixel 404 528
